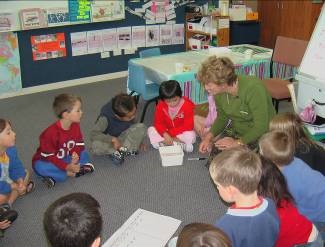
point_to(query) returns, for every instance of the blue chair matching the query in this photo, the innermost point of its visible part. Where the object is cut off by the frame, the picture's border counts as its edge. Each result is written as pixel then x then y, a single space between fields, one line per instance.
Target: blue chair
pixel 150 52
pixel 138 84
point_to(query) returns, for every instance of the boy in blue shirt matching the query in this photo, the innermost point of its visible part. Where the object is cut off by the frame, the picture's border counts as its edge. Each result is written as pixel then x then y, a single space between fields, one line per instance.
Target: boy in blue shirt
pixel 251 220
pixel 306 185
pixel 115 133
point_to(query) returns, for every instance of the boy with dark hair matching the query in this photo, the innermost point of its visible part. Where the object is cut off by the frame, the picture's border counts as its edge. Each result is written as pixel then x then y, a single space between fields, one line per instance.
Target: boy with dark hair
pixel 251 220
pixel 73 221
pixel 306 185
pixel 115 132
pixel 61 152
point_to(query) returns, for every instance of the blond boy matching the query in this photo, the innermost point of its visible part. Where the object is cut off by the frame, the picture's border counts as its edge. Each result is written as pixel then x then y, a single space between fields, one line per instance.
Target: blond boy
pixel 251 220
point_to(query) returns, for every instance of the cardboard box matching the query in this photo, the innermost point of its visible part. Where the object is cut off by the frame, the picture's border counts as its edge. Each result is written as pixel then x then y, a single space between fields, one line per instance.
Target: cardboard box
pixel 252 16
pixel 171 155
pixel 238 14
pixel 199 41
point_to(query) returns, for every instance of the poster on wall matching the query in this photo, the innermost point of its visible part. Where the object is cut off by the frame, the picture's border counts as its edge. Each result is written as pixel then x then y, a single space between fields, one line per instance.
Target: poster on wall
pixel 79 44
pixel 79 10
pixel 57 16
pixel 109 39
pixel 48 46
pixel 152 35
pixel 7 21
pixel 10 79
pixel 107 10
pixel 32 18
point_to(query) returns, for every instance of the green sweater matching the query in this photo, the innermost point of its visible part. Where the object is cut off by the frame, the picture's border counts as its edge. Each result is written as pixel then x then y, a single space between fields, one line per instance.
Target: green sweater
pixel 250 111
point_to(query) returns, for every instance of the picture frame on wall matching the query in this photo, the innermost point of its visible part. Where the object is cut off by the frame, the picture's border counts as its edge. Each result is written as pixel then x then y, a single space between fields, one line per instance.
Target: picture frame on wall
pixel 32 18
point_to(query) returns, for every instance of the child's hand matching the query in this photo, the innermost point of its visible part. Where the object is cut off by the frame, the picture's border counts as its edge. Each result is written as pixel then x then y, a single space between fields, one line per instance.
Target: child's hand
pixel 116 143
pixel 4 224
pixel 168 139
pixel 73 168
pixel 75 158
pixel 143 147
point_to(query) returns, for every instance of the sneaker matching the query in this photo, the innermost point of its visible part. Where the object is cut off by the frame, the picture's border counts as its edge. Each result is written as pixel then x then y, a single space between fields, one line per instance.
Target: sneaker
pixel 117 158
pixel 86 168
pixel 125 152
pixel 50 182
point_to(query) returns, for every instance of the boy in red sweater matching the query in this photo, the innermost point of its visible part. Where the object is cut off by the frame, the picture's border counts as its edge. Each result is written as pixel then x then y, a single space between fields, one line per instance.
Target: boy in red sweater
pixel 174 118
pixel 61 152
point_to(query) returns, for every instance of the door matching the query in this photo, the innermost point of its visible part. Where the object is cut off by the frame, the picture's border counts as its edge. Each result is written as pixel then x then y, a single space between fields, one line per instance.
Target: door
pixel 269 16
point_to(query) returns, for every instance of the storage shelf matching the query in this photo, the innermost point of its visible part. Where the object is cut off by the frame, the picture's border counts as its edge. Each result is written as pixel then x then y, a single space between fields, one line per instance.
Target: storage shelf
pixel 200 32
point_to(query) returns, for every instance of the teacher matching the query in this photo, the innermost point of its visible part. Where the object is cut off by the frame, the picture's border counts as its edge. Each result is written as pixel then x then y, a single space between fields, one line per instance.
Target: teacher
pixel 244 106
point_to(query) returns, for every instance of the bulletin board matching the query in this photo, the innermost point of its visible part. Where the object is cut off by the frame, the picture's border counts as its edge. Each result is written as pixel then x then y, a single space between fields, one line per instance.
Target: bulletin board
pixel 25 15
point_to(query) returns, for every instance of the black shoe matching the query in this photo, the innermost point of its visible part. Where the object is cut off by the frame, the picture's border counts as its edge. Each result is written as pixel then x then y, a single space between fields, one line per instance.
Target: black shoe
pixel 86 168
pixel 10 215
pixel 117 158
pixel 50 182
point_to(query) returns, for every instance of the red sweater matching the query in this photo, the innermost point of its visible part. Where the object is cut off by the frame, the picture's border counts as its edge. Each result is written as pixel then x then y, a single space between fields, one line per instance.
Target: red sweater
pixel 183 121
pixel 294 227
pixel 57 143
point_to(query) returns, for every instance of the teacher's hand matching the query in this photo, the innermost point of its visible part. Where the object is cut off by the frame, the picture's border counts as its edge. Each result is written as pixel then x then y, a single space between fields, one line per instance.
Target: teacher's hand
pixel 226 142
pixel 205 144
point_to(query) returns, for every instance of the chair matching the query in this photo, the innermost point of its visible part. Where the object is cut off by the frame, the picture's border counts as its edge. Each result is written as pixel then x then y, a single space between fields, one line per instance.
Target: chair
pixel 287 51
pixel 292 90
pixel 138 84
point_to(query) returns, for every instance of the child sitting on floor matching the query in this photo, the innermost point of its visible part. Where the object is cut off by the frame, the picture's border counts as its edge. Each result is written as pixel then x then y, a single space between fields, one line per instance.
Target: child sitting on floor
pixel 73 220
pixel 305 148
pixel 14 179
pixel 252 220
pixel 61 152
pixel 295 228
pixel 174 118
pixel 306 185
pixel 202 124
pixel 115 133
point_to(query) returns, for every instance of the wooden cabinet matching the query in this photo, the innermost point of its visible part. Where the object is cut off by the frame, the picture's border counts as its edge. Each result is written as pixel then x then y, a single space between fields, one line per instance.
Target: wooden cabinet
pixel 294 19
pixel 218 23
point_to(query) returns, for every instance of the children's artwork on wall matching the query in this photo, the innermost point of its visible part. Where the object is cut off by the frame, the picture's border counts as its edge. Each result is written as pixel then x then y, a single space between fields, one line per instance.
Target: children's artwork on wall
pixel 79 10
pixel 32 18
pixel 57 16
pixel 158 11
pixel 124 38
pixel 7 21
pixel 178 34
pixel 10 79
pixel 48 46
pixel 166 34
pixel 95 41
pixel 109 39
pixel 79 43
pixel 107 10
pixel 138 36
pixel 152 35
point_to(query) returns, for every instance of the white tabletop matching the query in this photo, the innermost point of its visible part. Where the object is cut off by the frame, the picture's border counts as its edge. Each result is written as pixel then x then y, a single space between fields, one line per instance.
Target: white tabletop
pixel 163 67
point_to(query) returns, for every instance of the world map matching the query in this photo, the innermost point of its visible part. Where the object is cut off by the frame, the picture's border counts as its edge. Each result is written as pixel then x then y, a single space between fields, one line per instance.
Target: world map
pixel 10 77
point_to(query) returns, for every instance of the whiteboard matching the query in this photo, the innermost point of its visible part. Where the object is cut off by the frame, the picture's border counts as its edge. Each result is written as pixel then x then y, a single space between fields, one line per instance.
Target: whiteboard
pixel 14 7
pixel 313 62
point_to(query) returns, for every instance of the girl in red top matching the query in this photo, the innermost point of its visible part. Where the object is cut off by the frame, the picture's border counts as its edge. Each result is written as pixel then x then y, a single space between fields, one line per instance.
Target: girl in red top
pixel 174 118
pixel 294 228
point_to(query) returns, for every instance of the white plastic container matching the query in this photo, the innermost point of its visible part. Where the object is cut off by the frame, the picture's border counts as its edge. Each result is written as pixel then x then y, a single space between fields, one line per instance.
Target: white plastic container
pixel 171 155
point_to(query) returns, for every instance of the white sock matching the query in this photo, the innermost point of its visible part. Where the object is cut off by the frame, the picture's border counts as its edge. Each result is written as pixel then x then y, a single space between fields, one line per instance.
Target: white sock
pixel 188 148
pixel 155 145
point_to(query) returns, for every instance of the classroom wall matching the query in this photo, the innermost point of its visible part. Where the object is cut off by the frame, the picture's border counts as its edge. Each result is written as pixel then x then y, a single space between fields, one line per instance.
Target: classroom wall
pixel 42 72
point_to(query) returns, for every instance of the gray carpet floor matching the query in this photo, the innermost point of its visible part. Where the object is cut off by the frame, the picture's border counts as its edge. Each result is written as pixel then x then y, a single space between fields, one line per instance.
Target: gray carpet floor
pixel 183 192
